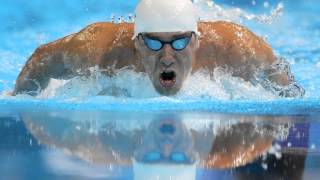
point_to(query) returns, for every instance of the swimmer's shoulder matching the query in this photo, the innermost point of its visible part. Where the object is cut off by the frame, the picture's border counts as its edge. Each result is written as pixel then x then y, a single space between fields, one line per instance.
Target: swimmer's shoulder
pixel 93 41
pixel 220 25
pixel 223 30
pixel 95 44
pixel 237 40
pixel 105 32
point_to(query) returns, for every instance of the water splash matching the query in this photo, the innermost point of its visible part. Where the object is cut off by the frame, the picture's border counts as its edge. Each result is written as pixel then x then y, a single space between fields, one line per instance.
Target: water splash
pixel 99 84
pixel 200 84
pixel 210 11
pixel 222 86
pixel 10 63
pixel 279 67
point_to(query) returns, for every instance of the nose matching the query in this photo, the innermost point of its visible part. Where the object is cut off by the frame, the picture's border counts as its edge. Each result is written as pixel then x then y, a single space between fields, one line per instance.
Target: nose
pixel 167 59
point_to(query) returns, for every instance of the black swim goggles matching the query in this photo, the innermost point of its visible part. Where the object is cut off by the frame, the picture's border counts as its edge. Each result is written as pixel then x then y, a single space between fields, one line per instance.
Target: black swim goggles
pixel 178 44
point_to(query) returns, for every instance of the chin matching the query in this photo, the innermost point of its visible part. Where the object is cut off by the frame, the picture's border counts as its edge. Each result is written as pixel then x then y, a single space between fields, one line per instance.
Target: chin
pixel 167 91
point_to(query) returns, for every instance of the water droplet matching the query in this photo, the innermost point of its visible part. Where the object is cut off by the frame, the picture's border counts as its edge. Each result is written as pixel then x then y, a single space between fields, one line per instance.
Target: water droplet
pixel 264 166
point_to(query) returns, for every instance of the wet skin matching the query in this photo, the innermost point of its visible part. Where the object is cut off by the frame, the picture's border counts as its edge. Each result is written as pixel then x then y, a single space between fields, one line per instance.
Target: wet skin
pixel 167 68
pixel 166 135
pixel 110 47
pixel 166 138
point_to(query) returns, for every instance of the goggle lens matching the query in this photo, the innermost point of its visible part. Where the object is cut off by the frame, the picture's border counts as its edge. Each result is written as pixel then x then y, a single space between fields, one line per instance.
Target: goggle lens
pixel 156 45
pixel 180 44
pixel 178 158
pixel 154 157
pixel 153 44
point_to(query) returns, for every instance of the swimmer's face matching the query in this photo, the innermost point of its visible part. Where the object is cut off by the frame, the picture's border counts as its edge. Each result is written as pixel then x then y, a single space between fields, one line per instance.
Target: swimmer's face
pixel 167 58
pixel 166 141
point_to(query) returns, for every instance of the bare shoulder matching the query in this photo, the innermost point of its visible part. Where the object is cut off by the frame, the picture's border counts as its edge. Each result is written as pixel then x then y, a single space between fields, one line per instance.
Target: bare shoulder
pixel 228 31
pixel 91 42
pixel 64 57
pixel 238 41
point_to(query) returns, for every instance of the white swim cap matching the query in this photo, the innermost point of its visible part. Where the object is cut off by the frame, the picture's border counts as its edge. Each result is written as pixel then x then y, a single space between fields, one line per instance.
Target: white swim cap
pixel 163 171
pixel 165 16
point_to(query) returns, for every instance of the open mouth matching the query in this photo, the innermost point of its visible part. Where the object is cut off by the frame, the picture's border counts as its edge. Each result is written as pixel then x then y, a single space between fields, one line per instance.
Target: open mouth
pixel 168 79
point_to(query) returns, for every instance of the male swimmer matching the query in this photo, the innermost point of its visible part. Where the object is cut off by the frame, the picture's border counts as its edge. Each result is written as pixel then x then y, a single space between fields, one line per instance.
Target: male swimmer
pixel 167 146
pixel 169 43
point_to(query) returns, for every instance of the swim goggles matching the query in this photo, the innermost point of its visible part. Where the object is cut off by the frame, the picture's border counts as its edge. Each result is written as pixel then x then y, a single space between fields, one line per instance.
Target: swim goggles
pixel 177 44
pixel 176 157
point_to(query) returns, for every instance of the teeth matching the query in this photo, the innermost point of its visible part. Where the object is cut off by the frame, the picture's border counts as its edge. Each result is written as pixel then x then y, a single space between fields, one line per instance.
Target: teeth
pixel 166 81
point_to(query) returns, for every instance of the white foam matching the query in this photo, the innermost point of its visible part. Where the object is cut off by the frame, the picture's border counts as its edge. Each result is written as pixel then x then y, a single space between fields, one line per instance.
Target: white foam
pixel 223 86
pixel 276 151
pixel 198 85
pixel 127 83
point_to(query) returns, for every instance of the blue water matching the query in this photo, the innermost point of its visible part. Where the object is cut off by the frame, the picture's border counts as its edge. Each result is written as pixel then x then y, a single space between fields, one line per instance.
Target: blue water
pixel 27 24
pixel 36 23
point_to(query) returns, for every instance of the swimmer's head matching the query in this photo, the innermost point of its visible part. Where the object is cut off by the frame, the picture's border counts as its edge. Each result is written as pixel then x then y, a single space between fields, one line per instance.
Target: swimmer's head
pixel 166 41
pixel 166 141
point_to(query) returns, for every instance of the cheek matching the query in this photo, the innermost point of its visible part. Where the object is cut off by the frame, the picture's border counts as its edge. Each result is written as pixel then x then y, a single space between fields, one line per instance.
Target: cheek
pixel 186 62
pixel 149 64
pixel 190 58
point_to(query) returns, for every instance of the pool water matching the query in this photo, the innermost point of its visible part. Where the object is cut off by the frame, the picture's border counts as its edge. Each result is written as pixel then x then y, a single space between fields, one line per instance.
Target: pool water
pixel 69 132
pixel 52 143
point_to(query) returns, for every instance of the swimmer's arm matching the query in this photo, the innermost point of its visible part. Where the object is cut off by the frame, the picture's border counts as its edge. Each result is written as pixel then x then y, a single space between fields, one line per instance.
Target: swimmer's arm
pixel 33 76
pixel 279 79
pixel 45 63
pixel 52 60
pixel 64 58
pixel 237 146
pixel 98 148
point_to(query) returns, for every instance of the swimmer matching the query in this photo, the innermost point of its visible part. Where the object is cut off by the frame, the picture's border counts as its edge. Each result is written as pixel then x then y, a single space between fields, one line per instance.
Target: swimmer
pixel 167 42
pixel 166 143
